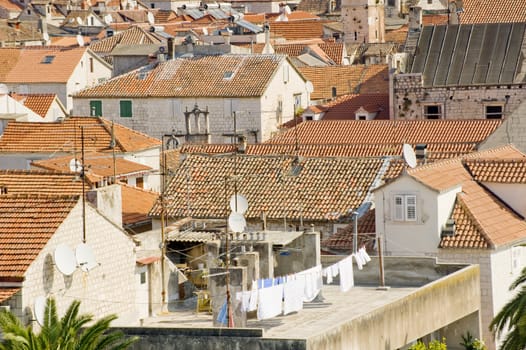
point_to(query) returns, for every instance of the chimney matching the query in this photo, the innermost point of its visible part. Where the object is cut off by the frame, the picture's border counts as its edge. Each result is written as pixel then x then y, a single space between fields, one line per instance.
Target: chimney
pixel 268 48
pixel 421 152
pixel 415 19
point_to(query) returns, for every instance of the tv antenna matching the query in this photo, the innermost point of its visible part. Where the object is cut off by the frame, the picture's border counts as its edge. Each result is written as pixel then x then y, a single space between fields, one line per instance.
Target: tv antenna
pixel 409 155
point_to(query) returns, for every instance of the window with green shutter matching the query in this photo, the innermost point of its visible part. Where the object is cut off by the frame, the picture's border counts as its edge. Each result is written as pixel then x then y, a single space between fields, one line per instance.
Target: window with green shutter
pixel 95 108
pixel 126 109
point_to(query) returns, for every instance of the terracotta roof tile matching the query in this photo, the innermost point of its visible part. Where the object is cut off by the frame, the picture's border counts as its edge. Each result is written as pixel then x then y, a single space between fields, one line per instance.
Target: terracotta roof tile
pixel 497 170
pixel 502 11
pixel 10 5
pixel 27 223
pixel 6 293
pixel 351 79
pixel 396 36
pixel 136 204
pixel 435 19
pixel 388 132
pixel 30 66
pixel 65 136
pixel 38 103
pixel 297 30
pixel 40 182
pixel 332 49
pixel 344 108
pixel 324 189
pixel 250 76
pixel 69 41
pixel 98 165
pixel 8 59
pixel 343 238
pixel 133 36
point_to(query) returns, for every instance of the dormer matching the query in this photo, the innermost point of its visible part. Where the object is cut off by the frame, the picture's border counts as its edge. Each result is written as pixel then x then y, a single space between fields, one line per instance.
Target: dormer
pixel 366 112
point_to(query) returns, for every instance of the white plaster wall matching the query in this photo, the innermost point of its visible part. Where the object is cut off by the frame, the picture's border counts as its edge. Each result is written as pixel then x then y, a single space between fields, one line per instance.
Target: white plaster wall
pixel 445 204
pixel 106 289
pixel 60 89
pixel 148 157
pixel 55 112
pixel 109 202
pixel 405 237
pixel 9 105
pixel 512 194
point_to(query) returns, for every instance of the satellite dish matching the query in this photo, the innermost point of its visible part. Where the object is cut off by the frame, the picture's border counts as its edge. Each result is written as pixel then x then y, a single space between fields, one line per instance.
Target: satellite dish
pixel 45 36
pixel 151 19
pixel 40 309
pixel 65 260
pixel 237 222
pixel 80 40
pixel 241 206
pixel 108 19
pixel 3 89
pixel 75 165
pixel 205 31
pixel 85 257
pixel 309 87
pixel 409 155
pixel 287 10
pixel 79 21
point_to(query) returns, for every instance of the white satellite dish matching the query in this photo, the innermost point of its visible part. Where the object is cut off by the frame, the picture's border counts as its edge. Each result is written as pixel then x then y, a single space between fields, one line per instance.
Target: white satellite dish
pixel 40 309
pixel 80 40
pixel 205 31
pixel 409 155
pixel 237 222
pixel 108 19
pixel 241 206
pixel 75 165
pixel 45 36
pixel 287 10
pixel 151 19
pixel 85 257
pixel 79 20
pixel 65 259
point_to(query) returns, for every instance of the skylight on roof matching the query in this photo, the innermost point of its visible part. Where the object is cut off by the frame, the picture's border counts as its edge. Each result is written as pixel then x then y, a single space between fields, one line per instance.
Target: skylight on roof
pixel 48 59
pixel 228 75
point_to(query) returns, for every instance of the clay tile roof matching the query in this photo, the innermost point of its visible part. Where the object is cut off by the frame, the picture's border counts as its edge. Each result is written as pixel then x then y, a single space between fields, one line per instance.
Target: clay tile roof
pixel 136 204
pixel 332 49
pixel 30 66
pixel 10 5
pixel 26 225
pixel 342 240
pixel 434 19
pixel 468 233
pixel 40 182
pixel 8 59
pixel 396 36
pixel 38 103
pixel 297 30
pixel 98 165
pixel 65 136
pixel 497 170
pixel 225 75
pixel 319 189
pixel 388 132
pixel 346 106
pixel 6 293
pixel 135 35
pixel 351 79
pixel 483 11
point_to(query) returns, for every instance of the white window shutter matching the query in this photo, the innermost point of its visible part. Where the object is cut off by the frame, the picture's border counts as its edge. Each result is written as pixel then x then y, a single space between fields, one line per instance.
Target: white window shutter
pixel 399 208
pixel 410 206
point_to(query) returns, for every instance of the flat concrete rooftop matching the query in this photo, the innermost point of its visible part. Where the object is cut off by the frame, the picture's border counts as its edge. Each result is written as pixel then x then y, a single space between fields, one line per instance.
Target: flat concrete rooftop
pixel 315 318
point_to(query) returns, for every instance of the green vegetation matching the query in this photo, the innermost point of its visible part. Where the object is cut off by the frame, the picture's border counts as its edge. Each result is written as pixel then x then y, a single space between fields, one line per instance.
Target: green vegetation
pixel 68 333
pixel 433 345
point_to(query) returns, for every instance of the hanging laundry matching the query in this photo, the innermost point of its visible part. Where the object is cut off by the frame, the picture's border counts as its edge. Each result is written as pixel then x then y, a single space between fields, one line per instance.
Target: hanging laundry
pixel 346 274
pixel 359 261
pixel 313 281
pixel 270 302
pixel 222 316
pixel 253 304
pixel 293 295
pixel 364 255
pixel 244 299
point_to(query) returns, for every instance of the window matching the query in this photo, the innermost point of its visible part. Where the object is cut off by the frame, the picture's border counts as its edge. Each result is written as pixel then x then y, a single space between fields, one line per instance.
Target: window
pixel 391 3
pixel 334 92
pixel 361 117
pixel 95 108
pixel 126 109
pixel 433 112
pixel 139 182
pixel 404 207
pixel 430 2
pixel 297 102
pixel 91 64
pixel 152 5
pixel 516 264
pixel 493 112
pixel 48 59
pixel 143 277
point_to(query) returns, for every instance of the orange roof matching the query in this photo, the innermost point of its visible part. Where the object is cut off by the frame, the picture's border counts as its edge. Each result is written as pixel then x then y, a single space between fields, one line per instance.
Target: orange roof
pixel 8 59
pixel 332 49
pixel 65 137
pixel 502 11
pixel 351 79
pixel 31 66
pixel 297 30
pixel 396 36
pixel 40 182
pixel 293 16
pixel 498 170
pixel 225 75
pixel 26 225
pixel 434 19
pixel 342 240
pixel 68 41
pixel 136 204
pixel 483 220
pixel 321 189
pixel 132 36
pixel 388 131
pixel 346 106
pixel 10 5
pixel 6 293
pixel 38 103
pixel 98 165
